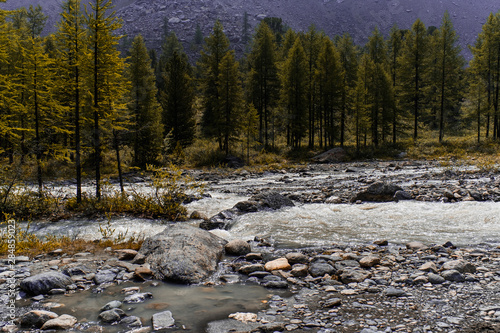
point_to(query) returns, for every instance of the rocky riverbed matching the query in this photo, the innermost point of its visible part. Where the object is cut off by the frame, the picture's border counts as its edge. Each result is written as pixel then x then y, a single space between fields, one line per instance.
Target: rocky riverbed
pixel 361 287
pixel 364 288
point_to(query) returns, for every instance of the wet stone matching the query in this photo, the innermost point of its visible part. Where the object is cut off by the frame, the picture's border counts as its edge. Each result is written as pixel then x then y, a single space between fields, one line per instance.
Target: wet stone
pixel 453 276
pixel 321 269
pixel 435 279
pixel 137 298
pixel 163 320
pixel 111 305
pixel 111 316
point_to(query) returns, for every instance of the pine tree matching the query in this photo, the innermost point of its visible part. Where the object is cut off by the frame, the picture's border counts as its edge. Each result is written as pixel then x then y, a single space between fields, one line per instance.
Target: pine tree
pixel 231 99
pixel 413 65
pixel 215 49
pixel 263 77
pixel 362 99
pixel 294 93
pixel 329 78
pixel 106 68
pixel 170 45
pixel 144 107
pixel 71 47
pixel 177 101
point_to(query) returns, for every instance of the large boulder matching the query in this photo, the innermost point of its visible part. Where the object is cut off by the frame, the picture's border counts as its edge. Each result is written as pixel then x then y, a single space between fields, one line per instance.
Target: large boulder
pixel 263 201
pixel 183 253
pixel 45 282
pixel 378 192
pixel 334 155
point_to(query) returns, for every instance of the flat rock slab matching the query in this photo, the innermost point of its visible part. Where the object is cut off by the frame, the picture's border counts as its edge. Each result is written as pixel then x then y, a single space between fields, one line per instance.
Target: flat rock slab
pixel 183 254
pixel 44 282
pixel 63 322
pixel 163 320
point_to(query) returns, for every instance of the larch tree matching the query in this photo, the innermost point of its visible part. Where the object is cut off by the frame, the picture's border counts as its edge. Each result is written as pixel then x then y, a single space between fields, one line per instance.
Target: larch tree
pixel 143 106
pixel 349 60
pixel 329 78
pixel 312 45
pixel 177 100
pixel 450 65
pixel 294 93
pixel 215 49
pixel 71 59
pixel 395 44
pixel 263 78
pixel 106 82
pixel 38 83
pixel 413 66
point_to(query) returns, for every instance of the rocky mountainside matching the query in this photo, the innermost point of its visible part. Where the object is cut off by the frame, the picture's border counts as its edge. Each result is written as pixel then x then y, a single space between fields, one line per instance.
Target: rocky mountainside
pixel 358 17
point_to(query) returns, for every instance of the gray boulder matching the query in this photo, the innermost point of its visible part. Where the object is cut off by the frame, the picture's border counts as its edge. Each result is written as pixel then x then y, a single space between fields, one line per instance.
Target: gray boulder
pixel 44 282
pixel 334 155
pixel 104 276
pixel 111 316
pixel 321 268
pixel 459 265
pixel 378 192
pixel 183 253
pixel 237 247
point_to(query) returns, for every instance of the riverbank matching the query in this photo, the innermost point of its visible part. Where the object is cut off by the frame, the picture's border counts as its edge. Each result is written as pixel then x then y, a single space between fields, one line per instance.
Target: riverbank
pixel 362 288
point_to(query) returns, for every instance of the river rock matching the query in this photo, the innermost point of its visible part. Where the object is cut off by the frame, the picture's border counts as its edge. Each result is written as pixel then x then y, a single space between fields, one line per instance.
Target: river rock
pixel 393 292
pixel 272 200
pixel 105 276
pixel 137 298
pixel 334 155
pixel 248 269
pixel 369 261
pixel 237 247
pixel 428 267
pixel 459 265
pixel 44 282
pixel 112 316
pixel 36 318
pixel 222 220
pixel 143 273
pixel 299 270
pixel 183 253
pixel 131 321
pixel 332 302
pixel 111 305
pixel 378 192
pixel 244 317
pixel 63 322
pixel 321 268
pixel 350 275
pixel 76 270
pixel 402 195
pixel 278 264
pixel 163 320
pixel 126 254
pixel 435 279
pixel 453 275
pixel 296 258
pixel 415 246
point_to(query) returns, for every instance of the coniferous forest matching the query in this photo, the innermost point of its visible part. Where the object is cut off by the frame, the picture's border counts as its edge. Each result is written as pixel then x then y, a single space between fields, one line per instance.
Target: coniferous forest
pixel 78 99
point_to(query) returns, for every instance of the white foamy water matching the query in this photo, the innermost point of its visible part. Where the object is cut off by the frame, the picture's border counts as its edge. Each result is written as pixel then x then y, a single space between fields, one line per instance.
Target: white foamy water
pixel 464 223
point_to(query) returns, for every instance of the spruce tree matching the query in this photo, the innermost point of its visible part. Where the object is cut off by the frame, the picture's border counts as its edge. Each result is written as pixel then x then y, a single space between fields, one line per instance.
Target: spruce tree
pixel 231 99
pixel 106 67
pixel 294 93
pixel 177 101
pixel 263 77
pixel 215 49
pixel 143 106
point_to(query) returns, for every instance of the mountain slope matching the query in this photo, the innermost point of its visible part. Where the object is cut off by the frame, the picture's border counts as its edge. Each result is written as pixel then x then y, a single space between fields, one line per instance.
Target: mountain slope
pixel 358 17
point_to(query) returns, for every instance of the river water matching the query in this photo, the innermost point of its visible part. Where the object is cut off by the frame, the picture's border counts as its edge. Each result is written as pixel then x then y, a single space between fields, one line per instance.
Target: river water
pixel 305 225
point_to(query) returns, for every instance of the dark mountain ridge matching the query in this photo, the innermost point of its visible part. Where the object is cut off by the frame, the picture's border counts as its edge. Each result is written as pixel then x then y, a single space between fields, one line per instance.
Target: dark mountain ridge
pixel 334 17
